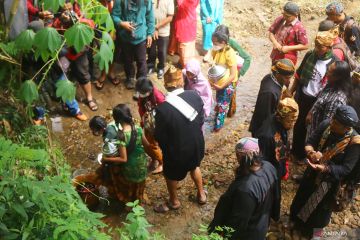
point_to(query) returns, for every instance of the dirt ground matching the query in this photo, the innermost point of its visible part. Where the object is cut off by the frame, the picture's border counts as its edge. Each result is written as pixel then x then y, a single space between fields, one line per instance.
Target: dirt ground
pixel 248 22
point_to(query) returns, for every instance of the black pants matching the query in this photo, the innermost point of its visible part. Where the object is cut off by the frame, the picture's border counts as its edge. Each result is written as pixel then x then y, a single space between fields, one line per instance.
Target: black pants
pixel 137 53
pixel 161 45
pixel 305 104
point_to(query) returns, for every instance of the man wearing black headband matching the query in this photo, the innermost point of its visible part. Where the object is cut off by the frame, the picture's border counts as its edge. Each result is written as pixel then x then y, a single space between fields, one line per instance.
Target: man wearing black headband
pixel 333 151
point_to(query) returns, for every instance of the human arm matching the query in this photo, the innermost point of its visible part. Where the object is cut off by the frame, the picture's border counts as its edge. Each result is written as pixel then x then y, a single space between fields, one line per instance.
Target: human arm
pixel 243 54
pixel 118 18
pixel 150 23
pixel 298 73
pixel 205 15
pixel 275 43
pixel 298 47
pixel 159 96
pixel 122 158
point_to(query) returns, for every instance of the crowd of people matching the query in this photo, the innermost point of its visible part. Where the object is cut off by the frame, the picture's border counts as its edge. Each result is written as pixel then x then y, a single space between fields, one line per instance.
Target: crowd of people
pixel 317 97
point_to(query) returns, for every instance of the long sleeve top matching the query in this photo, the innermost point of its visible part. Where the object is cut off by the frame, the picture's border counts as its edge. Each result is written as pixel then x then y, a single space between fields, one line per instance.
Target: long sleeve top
pixel 213 9
pixel 243 54
pixel 142 18
pixel 248 204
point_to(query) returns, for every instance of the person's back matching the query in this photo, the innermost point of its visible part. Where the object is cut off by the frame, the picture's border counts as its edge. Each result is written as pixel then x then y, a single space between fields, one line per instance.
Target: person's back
pixel 248 204
pixel 266 102
pixel 135 169
pixel 176 135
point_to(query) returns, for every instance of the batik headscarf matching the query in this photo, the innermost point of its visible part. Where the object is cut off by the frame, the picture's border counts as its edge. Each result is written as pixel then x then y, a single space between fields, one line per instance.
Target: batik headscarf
pixel 284 67
pixel 287 111
pixel 200 84
pixel 325 38
pixel 249 147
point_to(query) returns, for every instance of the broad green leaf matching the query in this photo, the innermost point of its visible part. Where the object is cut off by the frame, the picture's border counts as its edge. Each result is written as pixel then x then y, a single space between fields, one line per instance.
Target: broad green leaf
pixel 47 39
pixel 109 23
pixel 25 40
pixel 107 38
pixel 53 4
pixel 66 90
pixel 28 91
pixel 20 210
pixel 104 57
pixel 79 36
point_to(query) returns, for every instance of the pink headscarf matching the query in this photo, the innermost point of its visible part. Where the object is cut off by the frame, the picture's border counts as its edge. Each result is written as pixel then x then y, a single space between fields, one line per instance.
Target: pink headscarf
pixel 201 86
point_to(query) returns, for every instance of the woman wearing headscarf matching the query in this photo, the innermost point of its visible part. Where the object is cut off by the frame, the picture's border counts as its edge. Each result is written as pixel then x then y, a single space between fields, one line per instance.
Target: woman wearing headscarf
pixel 195 80
pixel 332 152
pixel 252 198
pixel 334 94
pixel 273 136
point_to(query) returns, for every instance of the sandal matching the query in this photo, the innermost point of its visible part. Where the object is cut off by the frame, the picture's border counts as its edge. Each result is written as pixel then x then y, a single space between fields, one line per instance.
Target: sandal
pixel 99 84
pixel 92 105
pixel 115 80
pixel 165 207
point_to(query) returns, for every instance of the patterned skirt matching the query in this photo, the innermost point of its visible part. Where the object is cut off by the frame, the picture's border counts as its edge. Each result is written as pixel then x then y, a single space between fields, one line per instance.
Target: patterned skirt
pixel 223 99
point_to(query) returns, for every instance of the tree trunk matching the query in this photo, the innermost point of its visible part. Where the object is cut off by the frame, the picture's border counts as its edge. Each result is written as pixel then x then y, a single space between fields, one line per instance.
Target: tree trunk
pixel 2 19
pixel 13 11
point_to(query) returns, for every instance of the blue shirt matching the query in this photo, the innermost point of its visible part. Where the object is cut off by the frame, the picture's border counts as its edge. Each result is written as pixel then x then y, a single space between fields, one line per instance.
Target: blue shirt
pixel 142 18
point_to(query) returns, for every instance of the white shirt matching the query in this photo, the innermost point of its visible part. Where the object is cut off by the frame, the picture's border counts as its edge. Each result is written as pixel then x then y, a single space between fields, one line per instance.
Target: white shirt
pixel 314 86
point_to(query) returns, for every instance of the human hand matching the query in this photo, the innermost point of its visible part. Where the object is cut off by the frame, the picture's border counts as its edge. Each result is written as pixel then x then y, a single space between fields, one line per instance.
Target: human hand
pixel 314 156
pixel 353 38
pixel 148 41
pixel 287 94
pixel 217 87
pixel 127 26
pixel 46 15
pixel 208 20
pixel 284 49
pixel 277 46
pixel 316 167
pixel 156 35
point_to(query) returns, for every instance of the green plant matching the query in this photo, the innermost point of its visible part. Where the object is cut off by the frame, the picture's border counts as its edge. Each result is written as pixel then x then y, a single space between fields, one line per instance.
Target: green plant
pixel 37 202
pixel 46 45
pixel 136 226
pixel 222 233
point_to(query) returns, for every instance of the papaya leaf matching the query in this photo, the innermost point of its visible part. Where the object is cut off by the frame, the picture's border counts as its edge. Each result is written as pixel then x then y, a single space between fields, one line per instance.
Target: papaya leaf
pixel 104 57
pixel 25 40
pixel 79 36
pixel 53 4
pixel 28 91
pixel 66 90
pixel 47 39
pixel 107 38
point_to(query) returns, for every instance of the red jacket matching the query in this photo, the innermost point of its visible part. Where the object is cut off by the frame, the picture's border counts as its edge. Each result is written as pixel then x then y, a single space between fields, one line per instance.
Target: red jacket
pixel 32 10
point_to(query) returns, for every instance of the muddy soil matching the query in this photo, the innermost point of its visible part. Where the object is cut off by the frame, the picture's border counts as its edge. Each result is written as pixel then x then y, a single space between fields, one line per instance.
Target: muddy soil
pixel 248 22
